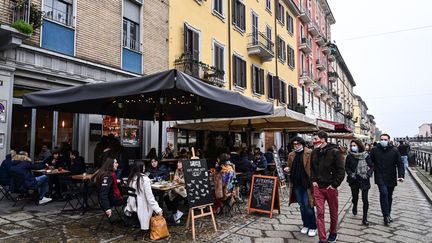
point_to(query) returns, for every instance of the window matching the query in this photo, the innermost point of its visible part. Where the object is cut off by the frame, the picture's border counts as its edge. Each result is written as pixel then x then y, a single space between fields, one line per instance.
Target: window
pixel 268 5
pixel 282 93
pixel 218 7
pixel 281 52
pixel 239 15
pixel 59 11
pixel 131 28
pixel 191 49
pixel 280 15
pixel 257 80
pixel 254 28
pixel 269 38
pixel 218 58
pixel 292 93
pixel 270 86
pixel 239 71
pixel 291 57
pixel 290 24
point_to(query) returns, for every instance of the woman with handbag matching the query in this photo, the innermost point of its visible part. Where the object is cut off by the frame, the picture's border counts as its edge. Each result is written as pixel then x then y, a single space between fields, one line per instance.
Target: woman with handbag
pixel 359 169
pixel 144 204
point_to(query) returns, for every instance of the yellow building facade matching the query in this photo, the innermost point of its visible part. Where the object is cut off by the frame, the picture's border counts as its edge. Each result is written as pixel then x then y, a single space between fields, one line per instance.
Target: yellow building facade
pixel 239 38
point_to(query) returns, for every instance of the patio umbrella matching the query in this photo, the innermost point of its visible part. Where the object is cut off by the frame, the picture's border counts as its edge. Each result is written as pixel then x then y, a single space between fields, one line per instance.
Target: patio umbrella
pixel 168 95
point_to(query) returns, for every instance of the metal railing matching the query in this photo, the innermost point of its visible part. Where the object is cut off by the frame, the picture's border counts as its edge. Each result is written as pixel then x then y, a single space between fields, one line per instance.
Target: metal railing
pixel 20 11
pixel 58 15
pixel 423 159
pixel 307 73
pixel 307 41
pixel 132 44
pixel 260 39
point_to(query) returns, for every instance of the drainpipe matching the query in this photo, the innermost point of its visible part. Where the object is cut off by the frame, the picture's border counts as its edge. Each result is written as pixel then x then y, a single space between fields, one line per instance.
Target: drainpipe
pixel 276 6
pixel 229 46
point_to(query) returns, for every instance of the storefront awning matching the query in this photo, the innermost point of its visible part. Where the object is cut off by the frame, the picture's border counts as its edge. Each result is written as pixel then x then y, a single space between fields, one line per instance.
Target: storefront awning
pixel 338 127
pixel 282 119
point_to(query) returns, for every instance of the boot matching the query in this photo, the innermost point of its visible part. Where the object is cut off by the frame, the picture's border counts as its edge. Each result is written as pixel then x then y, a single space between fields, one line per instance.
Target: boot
pixel 354 209
pixel 365 222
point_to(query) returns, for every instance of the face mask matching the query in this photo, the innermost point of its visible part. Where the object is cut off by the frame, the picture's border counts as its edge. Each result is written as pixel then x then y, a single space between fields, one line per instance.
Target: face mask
pixel 317 144
pixel 299 149
pixel 384 143
pixel 354 149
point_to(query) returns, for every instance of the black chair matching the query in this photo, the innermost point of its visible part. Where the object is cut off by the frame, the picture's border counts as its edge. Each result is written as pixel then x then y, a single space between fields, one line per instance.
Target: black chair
pixel 115 209
pixel 22 193
pixel 5 191
pixel 72 195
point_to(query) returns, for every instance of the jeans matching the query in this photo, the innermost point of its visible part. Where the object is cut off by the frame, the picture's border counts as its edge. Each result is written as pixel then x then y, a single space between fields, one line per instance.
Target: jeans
pixel 331 196
pixel 307 212
pixel 42 185
pixel 405 161
pixel 355 197
pixel 386 198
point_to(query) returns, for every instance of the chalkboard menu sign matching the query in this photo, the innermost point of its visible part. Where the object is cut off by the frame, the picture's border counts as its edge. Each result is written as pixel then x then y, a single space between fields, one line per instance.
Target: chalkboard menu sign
pixel 197 182
pixel 279 169
pixel 264 195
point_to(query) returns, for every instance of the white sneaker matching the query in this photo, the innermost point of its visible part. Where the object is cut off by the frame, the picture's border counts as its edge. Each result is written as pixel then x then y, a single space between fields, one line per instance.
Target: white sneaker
pixel 304 230
pixel 178 215
pixel 45 200
pixel 312 232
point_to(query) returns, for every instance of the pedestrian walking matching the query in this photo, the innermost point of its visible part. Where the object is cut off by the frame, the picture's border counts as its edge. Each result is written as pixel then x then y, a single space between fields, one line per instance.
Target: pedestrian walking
pixel 300 186
pixel 327 173
pixel 388 170
pixel 359 169
pixel 404 150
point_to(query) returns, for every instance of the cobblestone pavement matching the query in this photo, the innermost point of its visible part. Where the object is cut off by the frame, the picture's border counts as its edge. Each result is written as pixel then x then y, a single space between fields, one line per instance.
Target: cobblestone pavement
pixel 411 213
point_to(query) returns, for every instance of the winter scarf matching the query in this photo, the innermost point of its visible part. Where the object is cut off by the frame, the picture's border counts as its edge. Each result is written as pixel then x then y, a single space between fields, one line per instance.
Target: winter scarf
pixel 362 167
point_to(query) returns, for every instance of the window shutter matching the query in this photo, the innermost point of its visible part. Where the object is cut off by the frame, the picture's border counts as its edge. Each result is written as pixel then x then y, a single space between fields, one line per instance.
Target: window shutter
pixel 261 81
pixel 234 11
pixel 253 80
pixel 186 40
pixel 234 70
pixel 276 88
pixel 244 74
pixel 195 45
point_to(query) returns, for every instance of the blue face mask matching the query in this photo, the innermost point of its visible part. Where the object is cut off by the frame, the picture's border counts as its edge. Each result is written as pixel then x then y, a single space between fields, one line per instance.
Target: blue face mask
pixel 354 149
pixel 384 143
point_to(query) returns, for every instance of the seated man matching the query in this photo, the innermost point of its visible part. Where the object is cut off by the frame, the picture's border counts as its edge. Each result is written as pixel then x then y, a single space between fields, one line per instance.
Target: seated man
pixel 260 162
pixel 23 179
pixel 4 169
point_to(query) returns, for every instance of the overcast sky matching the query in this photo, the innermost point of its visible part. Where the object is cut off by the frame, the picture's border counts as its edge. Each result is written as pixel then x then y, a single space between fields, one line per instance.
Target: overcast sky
pixel 393 72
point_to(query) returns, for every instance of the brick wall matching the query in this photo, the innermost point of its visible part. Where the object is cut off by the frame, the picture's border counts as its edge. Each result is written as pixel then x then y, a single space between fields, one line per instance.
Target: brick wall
pixel 98 32
pixel 155 36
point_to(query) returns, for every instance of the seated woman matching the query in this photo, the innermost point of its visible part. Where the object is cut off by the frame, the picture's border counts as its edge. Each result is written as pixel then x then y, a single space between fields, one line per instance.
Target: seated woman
pixel 225 182
pixel 157 171
pixel 145 203
pixel 176 195
pixel 22 176
pixel 109 194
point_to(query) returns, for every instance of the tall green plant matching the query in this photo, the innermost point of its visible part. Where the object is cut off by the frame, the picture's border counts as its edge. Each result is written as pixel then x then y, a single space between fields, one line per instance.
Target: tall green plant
pixel 23 27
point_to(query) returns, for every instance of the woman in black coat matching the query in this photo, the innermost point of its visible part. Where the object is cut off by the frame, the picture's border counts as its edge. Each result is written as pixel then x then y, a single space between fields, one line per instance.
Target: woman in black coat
pixel 359 169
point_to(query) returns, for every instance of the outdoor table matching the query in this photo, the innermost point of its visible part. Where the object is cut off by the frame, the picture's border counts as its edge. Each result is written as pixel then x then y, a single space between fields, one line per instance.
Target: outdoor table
pixel 165 187
pixel 52 172
pixel 84 178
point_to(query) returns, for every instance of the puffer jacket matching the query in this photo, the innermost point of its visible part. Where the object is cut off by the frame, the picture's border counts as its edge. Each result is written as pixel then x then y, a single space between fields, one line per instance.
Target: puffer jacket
pixel 327 166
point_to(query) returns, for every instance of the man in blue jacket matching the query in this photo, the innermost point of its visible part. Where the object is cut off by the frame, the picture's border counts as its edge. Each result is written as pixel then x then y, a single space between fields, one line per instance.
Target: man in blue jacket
pixel 4 169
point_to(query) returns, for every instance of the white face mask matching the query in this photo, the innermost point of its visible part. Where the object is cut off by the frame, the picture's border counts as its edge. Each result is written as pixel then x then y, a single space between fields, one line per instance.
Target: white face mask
pixel 298 149
pixel 354 149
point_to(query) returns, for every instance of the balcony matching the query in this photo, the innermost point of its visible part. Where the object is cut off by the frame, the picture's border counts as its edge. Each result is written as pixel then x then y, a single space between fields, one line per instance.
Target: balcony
pixel 325 50
pixel 305 15
pixel 306 78
pixel 332 56
pixel 261 46
pixel 11 37
pixel 313 29
pixel 320 40
pixel 320 65
pixel 300 108
pixel 305 45
pixel 332 76
pixel 200 70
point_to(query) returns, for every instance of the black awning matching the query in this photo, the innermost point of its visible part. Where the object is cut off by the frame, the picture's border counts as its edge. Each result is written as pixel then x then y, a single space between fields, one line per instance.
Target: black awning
pixel 177 95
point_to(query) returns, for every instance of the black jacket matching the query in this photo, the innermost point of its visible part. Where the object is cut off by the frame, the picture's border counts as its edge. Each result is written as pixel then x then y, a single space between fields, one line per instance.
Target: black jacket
pixel 404 149
pixel 4 170
pixel 161 171
pixel 327 166
pixel 353 179
pixel 77 166
pixel 386 162
pixel 22 177
pixel 106 193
